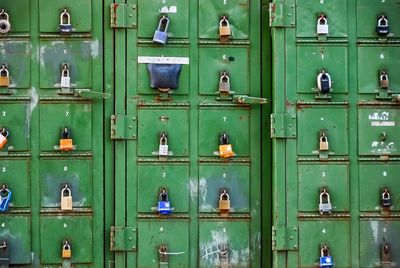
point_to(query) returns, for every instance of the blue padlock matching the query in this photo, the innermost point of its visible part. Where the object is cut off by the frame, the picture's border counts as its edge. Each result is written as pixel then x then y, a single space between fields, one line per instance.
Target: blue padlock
pixel 161 34
pixel 324 82
pixel 325 260
pixel 164 206
pixel 65 22
pixel 5 197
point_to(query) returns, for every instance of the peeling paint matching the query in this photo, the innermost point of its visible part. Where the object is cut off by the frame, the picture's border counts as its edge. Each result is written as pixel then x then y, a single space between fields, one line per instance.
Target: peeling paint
pixel 374 228
pixel 94 47
pixel 203 188
pixel 32 104
pixel 193 189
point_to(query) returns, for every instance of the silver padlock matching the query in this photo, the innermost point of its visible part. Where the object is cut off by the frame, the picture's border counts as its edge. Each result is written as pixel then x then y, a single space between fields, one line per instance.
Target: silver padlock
pixel 65 22
pixel 65 78
pixel 325 207
pixel 384 80
pixel 322 25
pixel 224 83
pixel 5 24
pixel 161 34
pixel 163 147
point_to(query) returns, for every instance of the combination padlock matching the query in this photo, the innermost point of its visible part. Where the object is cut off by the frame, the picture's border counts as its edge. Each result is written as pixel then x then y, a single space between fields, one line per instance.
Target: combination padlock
pixel 4 133
pixel 326 259
pixel 224 83
pixel 161 34
pixel 225 149
pixel 5 197
pixel 65 22
pixel 5 24
pixel 322 25
pixel 386 200
pixel 66 140
pixel 224 203
pixel 66 252
pixel 323 141
pixel 65 78
pixel 4 76
pixel 382 27
pixel 384 80
pixel 224 27
pixel 163 147
pixel 66 198
pixel 324 82
pixel 164 205
pixel 325 205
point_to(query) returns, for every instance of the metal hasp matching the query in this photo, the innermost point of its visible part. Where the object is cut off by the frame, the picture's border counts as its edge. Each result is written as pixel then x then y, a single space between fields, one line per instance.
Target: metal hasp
pixel 282 15
pixel 123 238
pixel 285 238
pixel 163 256
pixel 123 127
pixel 386 259
pixel 123 16
pixel 283 126
pixel 223 256
pixel 4 254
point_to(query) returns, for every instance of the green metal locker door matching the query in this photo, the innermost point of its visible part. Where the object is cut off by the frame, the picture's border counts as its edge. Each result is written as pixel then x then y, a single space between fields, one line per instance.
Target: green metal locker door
pixel 335 133
pixel 184 94
pixel 52 120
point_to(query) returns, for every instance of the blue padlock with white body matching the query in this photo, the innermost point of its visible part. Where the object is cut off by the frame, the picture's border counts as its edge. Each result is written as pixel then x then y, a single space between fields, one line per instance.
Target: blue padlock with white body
pixel 5 197
pixel 161 34
pixel 325 260
pixel 164 205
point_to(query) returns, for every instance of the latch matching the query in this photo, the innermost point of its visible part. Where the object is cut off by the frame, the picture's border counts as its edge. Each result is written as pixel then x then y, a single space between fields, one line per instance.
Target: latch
pixel 283 126
pixel 243 99
pixel 4 254
pixel 285 238
pixel 282 15
pixel 123 238
pixel 123 127
pixel 123 16
pixel 386 260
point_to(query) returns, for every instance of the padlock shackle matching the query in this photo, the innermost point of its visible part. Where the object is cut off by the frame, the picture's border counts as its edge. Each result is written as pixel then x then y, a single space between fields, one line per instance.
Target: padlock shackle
pixel 324 251
pixel 324 193
pixel 224 20
pixel 322 20
pixel 64 15
pixel 384 76
pixel 4 70
pixel 163 196
pixel 4 14
pixel 5 133
pixel 66 134
pixel 225 77
pixel 65 71
pixel 323 137
pixel 65 190
pixel 163 139
pixel 225 195
pixel 164 21
pixel 224 139
pixel 383 21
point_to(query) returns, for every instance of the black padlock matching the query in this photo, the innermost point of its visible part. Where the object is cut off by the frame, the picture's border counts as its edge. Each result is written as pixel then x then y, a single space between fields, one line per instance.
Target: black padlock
pixel 386 200
pixel 164 76
pixel 382 27
pixel 324 82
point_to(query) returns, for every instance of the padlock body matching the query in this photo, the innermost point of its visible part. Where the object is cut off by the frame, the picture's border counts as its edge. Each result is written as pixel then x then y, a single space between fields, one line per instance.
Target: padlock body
pixel 3 141
pixel 382 30
pixel 384 83
pixel 5 26
pixel 4 81
pixel 225 150
pixel 224 204
pixel 160 37
pixel 164 207
pixel 325 261
pixel 323 146
pixel 224 87
pixel 65 28
pixel 66 202
pixel 66 145
pixel 224 30
pixel 65 81
pixel 325 208
pixel 164 75
pixel 163 150
pixel 325 84
pixel 66 253
pixel 322 29
pixel 386 202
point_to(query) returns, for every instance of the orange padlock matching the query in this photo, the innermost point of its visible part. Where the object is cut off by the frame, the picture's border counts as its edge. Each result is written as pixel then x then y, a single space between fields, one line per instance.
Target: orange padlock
pixel 225 149
pixel 3 137
pixel 66 141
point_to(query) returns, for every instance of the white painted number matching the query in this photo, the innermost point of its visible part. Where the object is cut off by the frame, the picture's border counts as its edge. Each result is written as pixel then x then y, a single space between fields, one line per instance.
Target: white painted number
pixel 384 173
pixel 4 113
pixel 323 174
pixel 66 113
pixel 163 175
pixel 224 175
pixel 3 225
pixel 65 168
pixel 3 169
pixel 225 1
pixel 225 118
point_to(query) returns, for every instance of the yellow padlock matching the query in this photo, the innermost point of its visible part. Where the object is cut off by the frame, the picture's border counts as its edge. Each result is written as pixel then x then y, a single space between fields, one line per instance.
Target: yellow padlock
pixel 4 77
pixel 225 149
pixel 3 137
pixel 66 198
pixel 66 141
pixel 66 250
pixel 224 27
pixel 224 203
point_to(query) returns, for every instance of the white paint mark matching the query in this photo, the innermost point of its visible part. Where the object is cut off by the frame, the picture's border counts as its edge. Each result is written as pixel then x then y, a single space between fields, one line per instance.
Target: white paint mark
pixel 94 48
pixel 3 225
pixel 321 2
pixel 203 189
pixel 385 173
pixel 193 189
pixel 162 229
pixel 32 105
pixel 324 231
pixel 65 225
pixel 323 174
pixel 224 230
pixel 374 227
pixel 384 230
pixel 322 118
pixel 382 56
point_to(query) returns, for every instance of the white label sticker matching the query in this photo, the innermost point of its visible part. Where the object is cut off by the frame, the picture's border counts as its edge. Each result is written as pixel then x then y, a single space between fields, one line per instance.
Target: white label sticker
pixel 383 124
pixel 166 9
pixel 163 60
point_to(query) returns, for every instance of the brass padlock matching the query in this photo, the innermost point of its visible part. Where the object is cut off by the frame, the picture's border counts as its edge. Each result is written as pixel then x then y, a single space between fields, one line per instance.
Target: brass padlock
pixel 224 27
pixel 66 198
pixel 4 76
pixel 224 203
pixel 224 83
pixel 66 141
pixel 384 80
pixel 3 137
pixel 323 142
pixel 225 149
pixel 66 250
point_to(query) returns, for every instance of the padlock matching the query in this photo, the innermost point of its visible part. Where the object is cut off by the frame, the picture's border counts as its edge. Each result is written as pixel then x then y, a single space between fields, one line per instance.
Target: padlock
pixel 224 83
pixel 4 254
pixel 386 200
pixel 225 149
pixel 66 198
pixel 5 24
pixel 326 259
pixel 224 27
pixel 324 82
pixel 65 78
pixel 66 252
pixel 4 76
pixel 66 140
pixel 164 205
pixel 65 22
pixel 384 80
pixel 386 259
pixel 161 34
pixel 5 197
pixel 4 133
pixel 224 203
pixel 163 254
pixel 323 142
pixel 163 147
pixel 382 27
pixel 322 25
pixel 325 206
pixel 164 76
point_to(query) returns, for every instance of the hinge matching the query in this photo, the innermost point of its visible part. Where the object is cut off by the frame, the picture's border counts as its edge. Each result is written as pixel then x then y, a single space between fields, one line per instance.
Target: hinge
pixel 283 126
pixel 285 238
pixel 123 238
pixel 123 127
pixel 123 15
pixel 282 15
